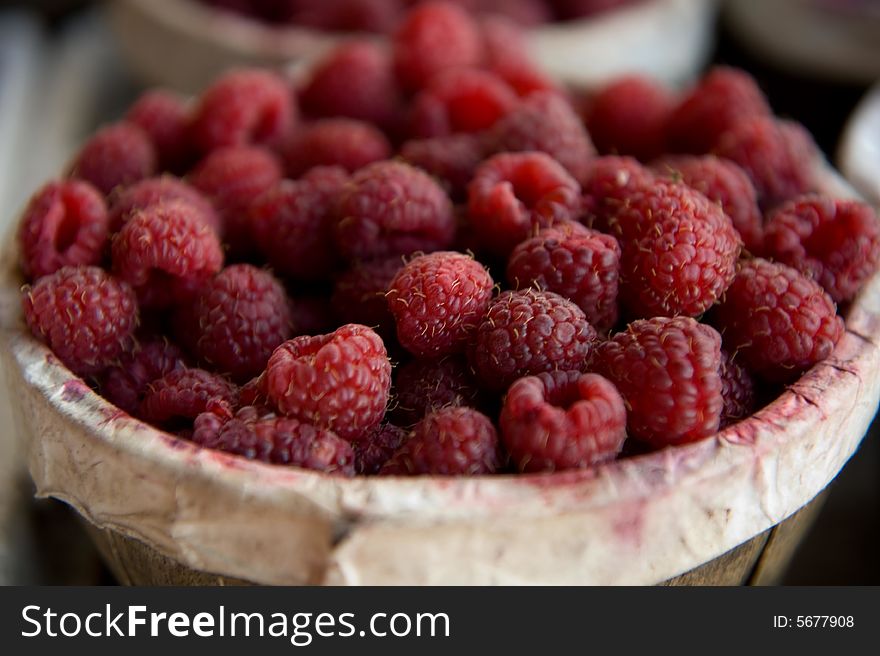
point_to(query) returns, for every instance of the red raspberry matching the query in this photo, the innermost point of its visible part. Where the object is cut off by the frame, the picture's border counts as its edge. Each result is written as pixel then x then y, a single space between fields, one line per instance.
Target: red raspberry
pixel 126 383
pixel 427 385
pixel 275 440
pixel 737 389
pixel 461 100
pixel 243 316
pixel 244 107
pixel 166 252
pixel 356 80
pixel 679 251
pixel 434 37
pixel 628 117
pixel 448 442
pixel 584 267
pixel 437 301
pixel 184 394
pixel 65 223
pixel 339 381
pixel 155 191
pixel 722 98
pixel 529 13
pixel 293 224
pixel 526 333
pixel 453 160
pixel 607 183
pixel 779 156
pixel 253 393
pixel 377 447
pixel 83 314
pixel 512 194
pixel 116 155
pixel 835 242
pixel 165 117
pixel 505 50
pixel 344 15
pixel 562 420
pixel 722 182
pixel 779 322
pixel 546 122
pixel 391 208
pixel 668 372
pixel 335 142
pixel 359 294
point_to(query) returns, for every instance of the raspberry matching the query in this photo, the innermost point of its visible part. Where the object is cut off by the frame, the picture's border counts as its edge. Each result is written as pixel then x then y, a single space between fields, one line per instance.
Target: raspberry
pixel 427 385
pixel 184 394
pixel 253 393
pixel 83 314
pixel 562 420
pixel 679 251
pixel 776 320
pixel 65 223
pixel 355 80
pixel 737 390
pixel 116 155
pixel 359 294
pixel 528 13
pixel 434 37
pixel 608 182
pixel 335 142
pixel 667 371
pixel 448 442
pixel 244 107
pixel 505 50
pixel 166 252
pixel 155 191
pixel 437 301
pixel 345 15
pixel 453 160
pixel 339 381
pixel 293 225
pixel 243 316
pixel 275 440
pixel 377 447
pixel 126 383
pixel 629 116
pixel 722 98
pixel 529 332
pixel 835 242
pixel 545 122
pixel 514 193
pixel 780 157
pixel 165 117
pixel 391 208
pixel 462 100
pixel 233 178
pixel 722 182
pixel 584 267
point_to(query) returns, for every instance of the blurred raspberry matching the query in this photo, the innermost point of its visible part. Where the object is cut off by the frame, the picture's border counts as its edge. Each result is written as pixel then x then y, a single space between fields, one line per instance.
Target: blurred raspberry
pixel 453 160
pixel 125 383
pixel 359 294
pixel 426 385
pixel 165 117
pixel 377 447
pixel 573 9
pixel 116 155
pixel 313 315
pixel 339 142
pixel 343 15
pixel 506 54
pixel 157 191
pixel 183 394
pixel 737 389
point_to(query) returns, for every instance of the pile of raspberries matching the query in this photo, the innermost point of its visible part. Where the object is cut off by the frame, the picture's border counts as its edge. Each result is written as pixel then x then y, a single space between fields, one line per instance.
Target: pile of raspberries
pixel 426 260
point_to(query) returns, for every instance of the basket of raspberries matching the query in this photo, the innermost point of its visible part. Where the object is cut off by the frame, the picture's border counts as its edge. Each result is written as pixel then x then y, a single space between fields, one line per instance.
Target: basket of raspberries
pixel 423 316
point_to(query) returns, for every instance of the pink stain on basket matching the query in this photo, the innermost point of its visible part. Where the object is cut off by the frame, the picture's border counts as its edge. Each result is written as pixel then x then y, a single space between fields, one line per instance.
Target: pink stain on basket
pixel 74 390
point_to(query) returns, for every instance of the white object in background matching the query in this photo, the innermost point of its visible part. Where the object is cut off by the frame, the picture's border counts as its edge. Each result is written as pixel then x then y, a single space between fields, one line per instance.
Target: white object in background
pixel 859 153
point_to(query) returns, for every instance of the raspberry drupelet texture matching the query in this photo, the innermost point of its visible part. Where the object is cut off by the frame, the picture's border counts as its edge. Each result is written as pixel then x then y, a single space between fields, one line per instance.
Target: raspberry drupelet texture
pixel 392 208
pixel 434 37
pixel 668 372
pixel 64 224
pixel 377 447
pixel 83 314
pixel 342 142
pixel 513 194
pixel 679 251
pixel 777 322
pixel 562 420
pixel 359 293
pixel 275 440
pixel 448 442
pixel 438 300
pixel 165 117
pixel 156 191
pixel 721 99
pixel 583 266
pixel 125 383
pixel 116 155
pixel 529 332
pixel 833 241
pixel 737 390
pixel 607 183
pixel 722 182
pixel 423 386
pixel 244 107
pixel 243 316
pixel 184 394
pixel 166 252
pixel 780 157
pixel 453 160
pixel 339 381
